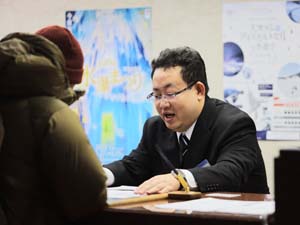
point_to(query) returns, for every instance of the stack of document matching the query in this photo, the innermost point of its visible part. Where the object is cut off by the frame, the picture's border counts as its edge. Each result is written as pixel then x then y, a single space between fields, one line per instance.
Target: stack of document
pixel 121 192
pixel 260 208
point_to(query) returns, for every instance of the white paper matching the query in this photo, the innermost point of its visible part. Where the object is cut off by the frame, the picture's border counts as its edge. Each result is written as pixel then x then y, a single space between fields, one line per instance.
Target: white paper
pixel 123 188
pixel 223 195
pixel 223 206
pixel 121 192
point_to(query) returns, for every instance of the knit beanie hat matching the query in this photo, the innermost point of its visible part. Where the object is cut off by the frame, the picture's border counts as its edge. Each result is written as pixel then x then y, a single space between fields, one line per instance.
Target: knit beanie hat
pixel 70 48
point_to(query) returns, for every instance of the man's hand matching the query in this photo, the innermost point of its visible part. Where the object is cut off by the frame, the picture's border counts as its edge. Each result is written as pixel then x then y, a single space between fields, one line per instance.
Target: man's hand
pixel 159 184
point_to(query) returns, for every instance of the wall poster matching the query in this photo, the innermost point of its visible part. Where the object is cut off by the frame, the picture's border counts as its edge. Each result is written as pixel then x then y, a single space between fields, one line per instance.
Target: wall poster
pixel 262 65
pixel 117 46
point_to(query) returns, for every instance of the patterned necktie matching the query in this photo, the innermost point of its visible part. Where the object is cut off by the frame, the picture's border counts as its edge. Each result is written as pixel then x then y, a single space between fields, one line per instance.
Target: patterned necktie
pixel 183 143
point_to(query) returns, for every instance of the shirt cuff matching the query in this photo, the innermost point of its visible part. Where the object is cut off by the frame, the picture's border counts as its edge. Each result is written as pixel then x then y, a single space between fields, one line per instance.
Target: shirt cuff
pixel 110 177
pixel 189 178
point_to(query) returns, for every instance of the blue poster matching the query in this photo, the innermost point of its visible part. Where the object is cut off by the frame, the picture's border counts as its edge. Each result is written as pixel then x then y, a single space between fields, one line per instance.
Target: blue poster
pixel 117 46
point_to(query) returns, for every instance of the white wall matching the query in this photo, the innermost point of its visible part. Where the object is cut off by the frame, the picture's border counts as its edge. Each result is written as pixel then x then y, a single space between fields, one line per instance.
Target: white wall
pixel 195 23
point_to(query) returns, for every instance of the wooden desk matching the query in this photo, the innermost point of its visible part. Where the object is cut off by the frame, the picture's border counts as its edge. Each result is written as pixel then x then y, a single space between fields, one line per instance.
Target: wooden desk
pixel 147 214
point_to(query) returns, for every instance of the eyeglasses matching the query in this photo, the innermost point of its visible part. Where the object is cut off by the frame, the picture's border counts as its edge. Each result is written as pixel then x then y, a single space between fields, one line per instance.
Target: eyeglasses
pixel 169 96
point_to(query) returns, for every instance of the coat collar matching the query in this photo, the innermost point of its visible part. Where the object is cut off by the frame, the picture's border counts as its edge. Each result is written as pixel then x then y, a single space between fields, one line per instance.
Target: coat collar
pixel 199 142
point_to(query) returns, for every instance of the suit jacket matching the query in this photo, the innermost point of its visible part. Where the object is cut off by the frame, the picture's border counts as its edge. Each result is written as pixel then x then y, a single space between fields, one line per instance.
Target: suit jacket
pixel 224 135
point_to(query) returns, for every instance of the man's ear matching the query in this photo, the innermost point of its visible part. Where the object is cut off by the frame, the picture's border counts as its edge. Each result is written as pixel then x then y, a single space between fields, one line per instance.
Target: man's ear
pixel 200 87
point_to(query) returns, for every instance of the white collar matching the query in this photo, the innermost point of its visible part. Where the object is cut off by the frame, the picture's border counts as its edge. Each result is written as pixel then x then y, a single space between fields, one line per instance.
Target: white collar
pixel 188 132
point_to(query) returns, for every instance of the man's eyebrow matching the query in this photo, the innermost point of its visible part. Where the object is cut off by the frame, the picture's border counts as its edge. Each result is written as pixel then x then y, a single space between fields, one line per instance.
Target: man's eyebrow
pixel 164 87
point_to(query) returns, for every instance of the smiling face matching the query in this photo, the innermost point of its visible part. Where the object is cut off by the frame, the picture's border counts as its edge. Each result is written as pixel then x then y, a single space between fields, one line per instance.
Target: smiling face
pixel 182 111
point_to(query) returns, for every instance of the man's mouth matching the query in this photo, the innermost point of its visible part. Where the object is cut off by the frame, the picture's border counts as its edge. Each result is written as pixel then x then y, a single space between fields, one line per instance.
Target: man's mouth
pixel 169 116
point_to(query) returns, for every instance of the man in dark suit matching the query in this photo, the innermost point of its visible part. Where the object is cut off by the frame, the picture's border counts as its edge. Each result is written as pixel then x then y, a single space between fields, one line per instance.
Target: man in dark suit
pixel 221 152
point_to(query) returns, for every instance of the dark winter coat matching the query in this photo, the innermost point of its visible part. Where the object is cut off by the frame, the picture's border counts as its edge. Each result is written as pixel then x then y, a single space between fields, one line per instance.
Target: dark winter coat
pixel 49 173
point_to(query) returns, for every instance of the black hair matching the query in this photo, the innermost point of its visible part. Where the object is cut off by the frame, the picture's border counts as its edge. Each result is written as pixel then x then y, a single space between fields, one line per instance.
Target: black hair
pixel 190 61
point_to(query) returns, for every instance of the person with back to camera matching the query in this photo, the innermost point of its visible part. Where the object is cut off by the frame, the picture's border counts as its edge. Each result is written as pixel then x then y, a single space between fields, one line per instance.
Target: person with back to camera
pixel 73 54
pixel 49 173
pixel 221 152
